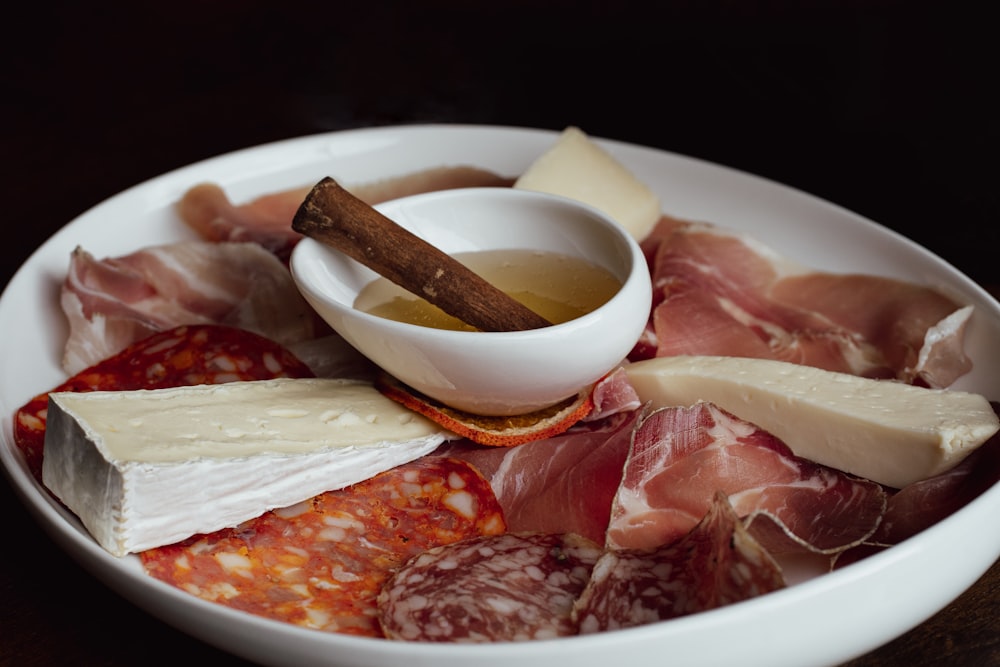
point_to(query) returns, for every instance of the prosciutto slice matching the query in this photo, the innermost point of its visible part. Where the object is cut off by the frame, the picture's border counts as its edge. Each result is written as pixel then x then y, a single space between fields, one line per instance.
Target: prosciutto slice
pixel 720 293
pixel 682 457
pixel 563 484
pixel 114 302
pixel 715 564
pixel 613 394
pixel 267 219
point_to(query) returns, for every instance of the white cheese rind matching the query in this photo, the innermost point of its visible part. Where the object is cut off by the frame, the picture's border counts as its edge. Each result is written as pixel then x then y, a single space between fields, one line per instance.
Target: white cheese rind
pixel 885 431
pixel 578 168
pixel 147 468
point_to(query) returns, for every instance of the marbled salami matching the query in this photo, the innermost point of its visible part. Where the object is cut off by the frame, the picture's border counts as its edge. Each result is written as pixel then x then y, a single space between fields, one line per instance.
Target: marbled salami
pixel 715 564
pixel 510 587
pixel 182 356
pixel 321 563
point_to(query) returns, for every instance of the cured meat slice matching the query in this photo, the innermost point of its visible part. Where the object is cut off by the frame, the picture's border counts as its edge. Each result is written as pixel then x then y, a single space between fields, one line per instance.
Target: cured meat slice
pixel 321 563
pixel 681 457
pixel 719 293
pixel 428 180
pixel 112 303
pixel 717 563
pixel 267 219
pixel 918 332
pixel 182 356
pixel 510 587
pixel 563 484
pixel 613 394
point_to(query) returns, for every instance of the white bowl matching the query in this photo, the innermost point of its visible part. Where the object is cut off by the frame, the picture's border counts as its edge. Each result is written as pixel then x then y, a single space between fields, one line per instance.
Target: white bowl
pixel 490 373
pixel 825 620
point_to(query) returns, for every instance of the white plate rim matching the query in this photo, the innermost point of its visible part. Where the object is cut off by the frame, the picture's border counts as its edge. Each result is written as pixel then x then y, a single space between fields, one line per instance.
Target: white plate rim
pixel 770 630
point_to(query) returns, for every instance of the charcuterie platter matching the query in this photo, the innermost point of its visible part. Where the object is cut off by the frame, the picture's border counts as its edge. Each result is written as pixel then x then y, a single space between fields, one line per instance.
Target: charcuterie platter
pixel 821 620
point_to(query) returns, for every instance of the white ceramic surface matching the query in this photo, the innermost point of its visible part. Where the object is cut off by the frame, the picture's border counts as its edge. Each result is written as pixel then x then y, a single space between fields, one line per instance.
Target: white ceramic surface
pixel 490 373
pixel 822 621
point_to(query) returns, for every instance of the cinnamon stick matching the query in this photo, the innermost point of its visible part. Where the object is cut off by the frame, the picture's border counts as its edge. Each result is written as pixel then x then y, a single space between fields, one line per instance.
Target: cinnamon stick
pixel 333 216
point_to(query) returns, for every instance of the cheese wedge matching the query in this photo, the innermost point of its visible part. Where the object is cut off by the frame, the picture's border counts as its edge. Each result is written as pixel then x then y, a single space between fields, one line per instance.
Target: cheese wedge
pixel 147 468
pixel 578 168
pixel 882 430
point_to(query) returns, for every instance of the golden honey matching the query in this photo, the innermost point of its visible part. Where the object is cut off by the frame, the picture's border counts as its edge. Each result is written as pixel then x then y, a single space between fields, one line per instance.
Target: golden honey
pixel 557 287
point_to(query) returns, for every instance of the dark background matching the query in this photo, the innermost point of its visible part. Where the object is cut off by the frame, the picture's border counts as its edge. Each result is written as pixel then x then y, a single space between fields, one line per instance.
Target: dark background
pixel 886 108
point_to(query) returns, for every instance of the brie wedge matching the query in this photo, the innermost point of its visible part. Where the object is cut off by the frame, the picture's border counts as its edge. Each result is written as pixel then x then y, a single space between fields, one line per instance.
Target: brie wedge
pixel 147 468
pixel 885 431
pixel 577 168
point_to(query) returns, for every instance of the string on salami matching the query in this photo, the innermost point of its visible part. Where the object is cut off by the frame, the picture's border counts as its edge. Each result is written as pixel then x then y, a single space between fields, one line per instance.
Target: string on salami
pixel 182 356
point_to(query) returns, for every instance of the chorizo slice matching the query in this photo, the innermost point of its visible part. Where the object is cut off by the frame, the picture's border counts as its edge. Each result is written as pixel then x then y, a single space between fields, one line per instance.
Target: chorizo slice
pixel 321 563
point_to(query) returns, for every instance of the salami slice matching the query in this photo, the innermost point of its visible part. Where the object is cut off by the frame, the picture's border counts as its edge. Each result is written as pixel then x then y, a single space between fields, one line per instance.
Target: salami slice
pixel 715 564
pixel 185 355
pixel 510 587
pixel 320 564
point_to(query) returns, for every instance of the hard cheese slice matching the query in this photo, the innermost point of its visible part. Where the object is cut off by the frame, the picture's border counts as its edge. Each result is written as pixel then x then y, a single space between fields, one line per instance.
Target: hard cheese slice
pixel 885 431
pixel 578 168
pixel 148 468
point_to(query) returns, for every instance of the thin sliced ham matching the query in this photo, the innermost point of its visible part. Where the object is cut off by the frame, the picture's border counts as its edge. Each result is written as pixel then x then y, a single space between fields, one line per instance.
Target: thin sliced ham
pixel 113 302
pixel 563 484
pixel 721 293
pixel 917 331
pixel 428 180
pixel 613 394
pixel 682 457
pixel 267 219
pixel 715 564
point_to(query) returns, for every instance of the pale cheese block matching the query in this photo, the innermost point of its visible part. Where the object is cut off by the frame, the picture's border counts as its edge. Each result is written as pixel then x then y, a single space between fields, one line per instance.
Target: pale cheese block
pixel 147 468
pixel 883 430
pixel 576 167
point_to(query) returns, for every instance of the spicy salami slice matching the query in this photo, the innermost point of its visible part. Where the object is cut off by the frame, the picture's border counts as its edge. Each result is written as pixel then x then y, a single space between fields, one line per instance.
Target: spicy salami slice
pixel 185 355
pixel 321 563
pixel 717 563
pixel 510 587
